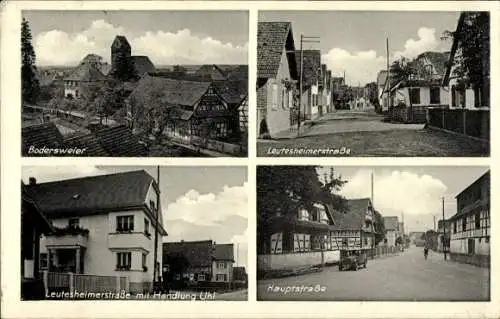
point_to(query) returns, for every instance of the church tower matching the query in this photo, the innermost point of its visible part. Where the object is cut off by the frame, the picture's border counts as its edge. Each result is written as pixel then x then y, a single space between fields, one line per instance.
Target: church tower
pixel 120 51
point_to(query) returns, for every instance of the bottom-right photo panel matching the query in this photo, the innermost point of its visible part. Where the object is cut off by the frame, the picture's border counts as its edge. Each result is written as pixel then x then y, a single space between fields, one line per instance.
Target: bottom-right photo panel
pixel 373 233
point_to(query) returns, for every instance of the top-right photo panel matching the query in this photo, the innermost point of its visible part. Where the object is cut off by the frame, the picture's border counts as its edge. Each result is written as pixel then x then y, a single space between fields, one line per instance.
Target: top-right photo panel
pixel 373 83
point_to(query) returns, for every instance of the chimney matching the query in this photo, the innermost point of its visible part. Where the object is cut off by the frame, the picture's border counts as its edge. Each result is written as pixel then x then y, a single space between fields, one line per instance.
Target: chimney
pixel 32 181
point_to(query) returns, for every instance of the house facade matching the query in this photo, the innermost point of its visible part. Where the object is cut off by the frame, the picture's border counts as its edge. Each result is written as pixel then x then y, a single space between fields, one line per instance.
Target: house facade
pixel 189 112
pixel 222 264
pixel 471 225
pixel 310 100
pixel 391 230
pixel 33 225
pixel 276 77
pixel 104 226
pixel 463 95
pixel 299 238
pixel 83 78
pixel 189 260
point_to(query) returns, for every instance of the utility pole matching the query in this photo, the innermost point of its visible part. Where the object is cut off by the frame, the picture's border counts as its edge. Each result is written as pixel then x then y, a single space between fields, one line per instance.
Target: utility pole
pixel 388 81
pixel 444 231
pixel 155 271
pixel 303 39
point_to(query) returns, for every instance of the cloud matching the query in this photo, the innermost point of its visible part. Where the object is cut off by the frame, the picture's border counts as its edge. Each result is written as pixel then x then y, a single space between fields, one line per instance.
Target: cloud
pixel 426 42
pixel 209 209
pixel 57 47
pixel 54 173
pixel 397 192
pixel 360 66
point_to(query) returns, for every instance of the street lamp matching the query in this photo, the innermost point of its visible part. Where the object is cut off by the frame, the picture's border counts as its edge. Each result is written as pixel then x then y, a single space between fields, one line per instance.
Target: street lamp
pixel 303 39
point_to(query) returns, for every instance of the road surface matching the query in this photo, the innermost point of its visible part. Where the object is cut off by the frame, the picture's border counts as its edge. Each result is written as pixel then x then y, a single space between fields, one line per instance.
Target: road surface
pixel 365 133
pixel 240 295
pixel 404 277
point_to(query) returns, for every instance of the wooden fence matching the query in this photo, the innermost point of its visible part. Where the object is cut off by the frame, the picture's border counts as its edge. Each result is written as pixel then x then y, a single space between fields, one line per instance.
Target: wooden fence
pixel 474 123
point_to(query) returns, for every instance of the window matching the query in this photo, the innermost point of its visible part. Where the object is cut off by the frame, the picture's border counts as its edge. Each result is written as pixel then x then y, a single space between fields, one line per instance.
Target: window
pixel 125 223
pixel 274 96
pixel 464 224
pixel 471 247
pixel 123 261
pixel 453 95
pixel 73 222
pixel 146 227
pixel 477 220
pixel 221 129
pixel 221 265
pixel 415 95
pixel 44 262
pixel 435 95
pixel 144 262
pixel 221 277
pixel 201 277
pixel 284 97
pixel 455 227
pixel 303 214
pixel 152 205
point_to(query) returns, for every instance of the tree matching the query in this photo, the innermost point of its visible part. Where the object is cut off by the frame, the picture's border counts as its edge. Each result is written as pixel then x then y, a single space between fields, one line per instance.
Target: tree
pixel 30 87
pixel 399 240
pixel 379 228
pixel 124 69
pixel 281 189
pixel 472 36
pixel 402 70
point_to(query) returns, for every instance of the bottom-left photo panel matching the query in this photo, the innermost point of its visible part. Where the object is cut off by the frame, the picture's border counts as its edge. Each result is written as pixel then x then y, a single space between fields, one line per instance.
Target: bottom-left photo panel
pixel 134 232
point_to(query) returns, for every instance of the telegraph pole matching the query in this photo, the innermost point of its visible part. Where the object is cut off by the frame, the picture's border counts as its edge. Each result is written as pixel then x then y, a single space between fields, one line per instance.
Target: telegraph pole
pixel 303 39
pixel 444 231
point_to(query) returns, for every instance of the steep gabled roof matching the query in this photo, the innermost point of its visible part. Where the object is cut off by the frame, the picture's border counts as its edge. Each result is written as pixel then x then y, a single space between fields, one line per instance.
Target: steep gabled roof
pixel 142 65
pixel 86 72
pixel 31 211
pixel 354 218
pixel 119 141
pixel 454 48
pixel 120 42
pixel 274 38
pixel 233 92
pixel 391 223
pixel 170 91
pixel 91 195
pixel 224 252
pixel 198 253
pixel 311 65
pixel 212 71
pixel 40 135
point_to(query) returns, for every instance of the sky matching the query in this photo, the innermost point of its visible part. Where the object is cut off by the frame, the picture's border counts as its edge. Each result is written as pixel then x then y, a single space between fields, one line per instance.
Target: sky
pixel 355 41
pixel 198 203
pixel 413 192
pixel 167 37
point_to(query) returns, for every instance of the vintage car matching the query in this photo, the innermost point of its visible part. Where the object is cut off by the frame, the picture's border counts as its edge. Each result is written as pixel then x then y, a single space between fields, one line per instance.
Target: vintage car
pixel 352 259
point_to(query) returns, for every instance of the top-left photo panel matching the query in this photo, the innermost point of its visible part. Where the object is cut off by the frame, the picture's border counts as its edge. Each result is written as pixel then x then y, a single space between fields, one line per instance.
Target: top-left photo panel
pixel 134 83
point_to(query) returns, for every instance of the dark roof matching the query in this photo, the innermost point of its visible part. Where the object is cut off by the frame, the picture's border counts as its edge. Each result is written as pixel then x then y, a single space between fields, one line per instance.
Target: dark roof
pixel 311 64
pixel 120 42
pixel 354 218
pixel 88 142
pixel 211 70
pixel 86 72
pixel 233 92
pixel 40 135
pixel 273 38
pixel 391 223
pixel 142 65
pixel 454 48
pixel 170 91
pixel 91 195
pixel 224 252
pixel 33 212
pixel 119 141
pixel 481 179
pixel 198 253
pixel 239 71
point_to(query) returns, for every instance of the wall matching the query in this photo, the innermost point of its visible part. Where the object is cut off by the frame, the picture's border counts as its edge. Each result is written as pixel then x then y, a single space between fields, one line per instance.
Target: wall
pixel 228 271
pixel 278 117
pixel 286 261
pixel 391 237
pixel 402 95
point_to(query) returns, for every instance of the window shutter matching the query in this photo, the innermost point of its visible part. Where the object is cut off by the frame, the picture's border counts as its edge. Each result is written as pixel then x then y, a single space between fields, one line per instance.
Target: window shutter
pixel 274 96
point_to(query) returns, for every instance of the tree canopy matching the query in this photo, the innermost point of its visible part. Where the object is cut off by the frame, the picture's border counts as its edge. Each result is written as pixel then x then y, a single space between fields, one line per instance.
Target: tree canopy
pixel 281 188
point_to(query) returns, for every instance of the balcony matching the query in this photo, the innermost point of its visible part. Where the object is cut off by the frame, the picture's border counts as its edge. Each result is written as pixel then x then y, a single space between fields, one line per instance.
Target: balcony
pixel 68 237
pixel 130 240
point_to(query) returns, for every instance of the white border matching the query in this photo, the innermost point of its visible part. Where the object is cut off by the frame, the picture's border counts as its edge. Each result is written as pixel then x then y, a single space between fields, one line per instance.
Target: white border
pixel 12 307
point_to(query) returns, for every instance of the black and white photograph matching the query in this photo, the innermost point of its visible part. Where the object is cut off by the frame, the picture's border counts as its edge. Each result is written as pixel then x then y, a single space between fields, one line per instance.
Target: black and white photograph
pixel 134 83
pixel 361 233
pixel 134 233
pixel 373 83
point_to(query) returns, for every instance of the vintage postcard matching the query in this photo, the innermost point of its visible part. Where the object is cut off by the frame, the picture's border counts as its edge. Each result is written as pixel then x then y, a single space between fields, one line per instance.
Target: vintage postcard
pixel 134 233
pixel 368 83
pixel 134 84
pixel 373 233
